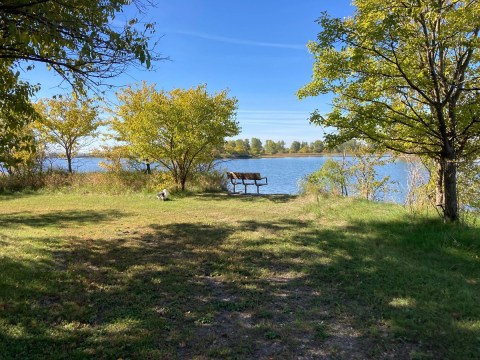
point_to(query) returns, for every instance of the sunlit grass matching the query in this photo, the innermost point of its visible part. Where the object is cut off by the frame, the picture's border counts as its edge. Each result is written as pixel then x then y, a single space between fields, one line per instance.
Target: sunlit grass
pixel 214 276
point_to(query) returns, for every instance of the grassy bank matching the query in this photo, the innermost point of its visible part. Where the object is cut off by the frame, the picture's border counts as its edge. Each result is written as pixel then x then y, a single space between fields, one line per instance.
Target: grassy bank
pixel 101 276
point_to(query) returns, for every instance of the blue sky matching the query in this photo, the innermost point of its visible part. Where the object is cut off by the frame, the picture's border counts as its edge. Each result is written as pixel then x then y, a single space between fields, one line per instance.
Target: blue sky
pixel 256 49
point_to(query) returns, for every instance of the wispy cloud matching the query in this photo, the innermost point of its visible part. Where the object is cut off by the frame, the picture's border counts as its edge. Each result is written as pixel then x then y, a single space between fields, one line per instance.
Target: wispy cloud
pixel 273 111
pixel 277 125
pixel 240 41
pixel 268 116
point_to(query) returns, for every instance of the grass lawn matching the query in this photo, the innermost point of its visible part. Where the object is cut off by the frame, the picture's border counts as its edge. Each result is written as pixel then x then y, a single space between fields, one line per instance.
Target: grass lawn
pixel 216 276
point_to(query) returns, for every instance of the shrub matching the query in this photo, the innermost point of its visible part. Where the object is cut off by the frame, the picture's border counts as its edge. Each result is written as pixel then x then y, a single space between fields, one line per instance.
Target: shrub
pixel 421 187
pixel 18 182
pixel 332 178
pixel 160 180
pixel 357 177
pixel 110 183
pixel 118 182
pixel 209 181
pixel 469 186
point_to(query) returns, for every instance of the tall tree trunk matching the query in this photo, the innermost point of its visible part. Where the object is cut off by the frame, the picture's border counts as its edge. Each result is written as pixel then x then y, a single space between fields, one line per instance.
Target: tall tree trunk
pixel 69 162
pixel 450 180
pixel 448 166
pixel 450 191
pixel 439 189
pixel 183 180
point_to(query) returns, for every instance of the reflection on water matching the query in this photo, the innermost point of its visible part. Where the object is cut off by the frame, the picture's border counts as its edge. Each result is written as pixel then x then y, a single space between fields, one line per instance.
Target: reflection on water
pixel 284 174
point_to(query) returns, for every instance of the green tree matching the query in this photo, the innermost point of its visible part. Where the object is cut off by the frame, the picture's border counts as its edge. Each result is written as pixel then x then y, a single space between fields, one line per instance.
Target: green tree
pixel 406 76
pixel 295 147
pixel 17 149
pixel 367 184
pixel 242 147
pixel 229 148
pixel 256 147
pixel 77 39
pixel 180 129
pixel 317 146
pixel 469 177
pixel 16 112
pixel 350 147
pixel 67 122
pixel 281 147
pixel 16 137
pixel 304 148
pixel 332 178
pixel 270 147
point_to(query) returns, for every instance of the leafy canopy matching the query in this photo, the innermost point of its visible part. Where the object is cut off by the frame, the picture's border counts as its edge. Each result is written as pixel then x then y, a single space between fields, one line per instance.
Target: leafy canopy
pixel 179 129
pixel 16 113
pixel 78 39
pixel 67 122
pixel 405 74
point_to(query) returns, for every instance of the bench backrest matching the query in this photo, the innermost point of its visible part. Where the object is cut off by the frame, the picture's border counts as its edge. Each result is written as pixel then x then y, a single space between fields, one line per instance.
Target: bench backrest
pixel 235 175
pixel 252 176
pixel 244 176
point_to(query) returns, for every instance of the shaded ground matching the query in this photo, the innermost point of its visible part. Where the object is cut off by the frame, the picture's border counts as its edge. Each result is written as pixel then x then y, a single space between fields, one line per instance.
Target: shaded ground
pixel 233 277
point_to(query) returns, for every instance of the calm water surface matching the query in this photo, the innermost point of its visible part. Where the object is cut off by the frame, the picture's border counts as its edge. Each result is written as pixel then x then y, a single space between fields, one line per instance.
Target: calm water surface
pixel 284 174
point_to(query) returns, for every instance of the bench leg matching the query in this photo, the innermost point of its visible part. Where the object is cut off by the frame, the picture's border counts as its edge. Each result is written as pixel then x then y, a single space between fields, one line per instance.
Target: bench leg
pixel 245 189
pixel 258 190
pixel 233 188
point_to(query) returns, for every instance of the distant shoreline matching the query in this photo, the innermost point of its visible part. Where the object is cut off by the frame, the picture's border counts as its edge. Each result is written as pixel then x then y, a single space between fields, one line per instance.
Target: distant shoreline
pixel 287 155
pixel 302 155
pixel 264 156
pixel 298 155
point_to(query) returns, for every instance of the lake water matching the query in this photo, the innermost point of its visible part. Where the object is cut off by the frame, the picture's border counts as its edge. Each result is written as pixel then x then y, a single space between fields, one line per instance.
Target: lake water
pixel 284 174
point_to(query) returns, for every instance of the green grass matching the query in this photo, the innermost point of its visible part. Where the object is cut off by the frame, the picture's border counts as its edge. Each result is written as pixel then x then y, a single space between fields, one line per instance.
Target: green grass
pixel 215 276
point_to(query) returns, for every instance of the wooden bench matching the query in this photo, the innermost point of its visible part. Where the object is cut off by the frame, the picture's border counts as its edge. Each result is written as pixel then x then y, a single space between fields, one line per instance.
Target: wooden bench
pixel 245 179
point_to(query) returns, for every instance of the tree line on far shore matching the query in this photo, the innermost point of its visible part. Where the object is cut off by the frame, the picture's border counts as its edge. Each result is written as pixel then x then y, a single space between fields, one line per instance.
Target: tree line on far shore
pixel 255 147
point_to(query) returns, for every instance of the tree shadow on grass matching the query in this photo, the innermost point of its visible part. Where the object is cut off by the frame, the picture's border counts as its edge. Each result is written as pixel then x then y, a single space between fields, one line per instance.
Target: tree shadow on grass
pixel 262 289
pixel 56 218
pixel 7 196
pixel 275 198
pixel 400 282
